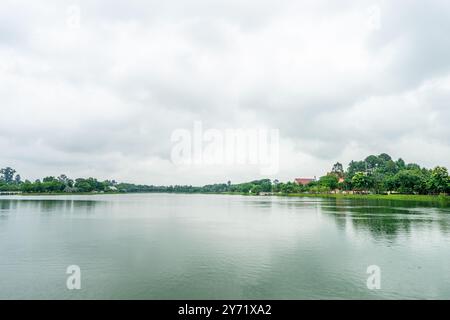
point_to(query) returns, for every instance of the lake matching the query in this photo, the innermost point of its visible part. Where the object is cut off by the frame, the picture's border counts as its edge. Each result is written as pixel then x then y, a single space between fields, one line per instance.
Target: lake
pixel 189 246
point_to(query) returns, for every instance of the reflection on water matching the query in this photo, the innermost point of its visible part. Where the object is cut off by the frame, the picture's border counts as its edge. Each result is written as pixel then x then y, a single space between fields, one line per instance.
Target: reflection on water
pixel 387 218
pixel 42 206
pixel 158 246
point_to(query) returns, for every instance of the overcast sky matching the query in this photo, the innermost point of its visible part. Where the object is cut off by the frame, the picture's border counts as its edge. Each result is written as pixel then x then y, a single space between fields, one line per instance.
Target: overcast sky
pixel 96 88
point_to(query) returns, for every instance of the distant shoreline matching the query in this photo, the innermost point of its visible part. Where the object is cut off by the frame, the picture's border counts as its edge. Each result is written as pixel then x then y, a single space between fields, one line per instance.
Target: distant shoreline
pixel 397 197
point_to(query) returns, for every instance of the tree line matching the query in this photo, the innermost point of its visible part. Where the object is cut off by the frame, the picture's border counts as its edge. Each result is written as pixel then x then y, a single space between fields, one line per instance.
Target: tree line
pixel 375 174
pixel 10 181
pixel 379 175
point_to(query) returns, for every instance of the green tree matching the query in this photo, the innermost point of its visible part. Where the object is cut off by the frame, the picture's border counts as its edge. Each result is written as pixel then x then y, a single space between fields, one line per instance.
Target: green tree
pixel 354 167
pixel 372 162
pixel 7 174
pixel 84 185
pixel 27 186
pixel 329 181
pixel 412 166
pixel 439 181
pixel 288 187
pixel 385 157
pixel 266 186
pixel 378 178
pixel 409 181
pixel 362 181
pixel 257 189
pixel 400 164
pixel 338 170
pixel 63 179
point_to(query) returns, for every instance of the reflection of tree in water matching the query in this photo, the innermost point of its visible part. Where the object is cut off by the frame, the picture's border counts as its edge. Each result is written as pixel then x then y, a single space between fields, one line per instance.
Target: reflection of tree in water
pixel 53 206
pixel 7 206
pixel 383 227
pixel 46 206
pixel 387 219
pixel 444 223
pixel 65 206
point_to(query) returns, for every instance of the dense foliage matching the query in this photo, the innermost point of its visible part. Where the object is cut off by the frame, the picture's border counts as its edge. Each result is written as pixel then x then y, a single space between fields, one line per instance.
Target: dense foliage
pixel 376 174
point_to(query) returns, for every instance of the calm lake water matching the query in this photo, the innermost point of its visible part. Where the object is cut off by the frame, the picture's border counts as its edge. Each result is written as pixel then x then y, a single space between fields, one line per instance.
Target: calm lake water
pixel 167 246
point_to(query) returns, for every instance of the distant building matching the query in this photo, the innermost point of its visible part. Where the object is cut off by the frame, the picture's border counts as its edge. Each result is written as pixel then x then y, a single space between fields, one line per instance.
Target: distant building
pixel 304 181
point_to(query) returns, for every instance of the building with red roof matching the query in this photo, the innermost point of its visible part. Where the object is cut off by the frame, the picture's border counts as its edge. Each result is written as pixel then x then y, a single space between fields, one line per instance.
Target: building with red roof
pixel 304 181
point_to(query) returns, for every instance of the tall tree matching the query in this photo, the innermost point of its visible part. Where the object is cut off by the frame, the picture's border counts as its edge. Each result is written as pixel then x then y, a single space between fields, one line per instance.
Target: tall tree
pixel 354 167
pixel 338 169
pixel 400 164
pixel 372 162
pixel 7 174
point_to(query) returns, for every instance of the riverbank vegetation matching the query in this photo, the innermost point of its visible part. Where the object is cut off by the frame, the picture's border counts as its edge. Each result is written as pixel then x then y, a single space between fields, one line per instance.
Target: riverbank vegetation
pixel 375 175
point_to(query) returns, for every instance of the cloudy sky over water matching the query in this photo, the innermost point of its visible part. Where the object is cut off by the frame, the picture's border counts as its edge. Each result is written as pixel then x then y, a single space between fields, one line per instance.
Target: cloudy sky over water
pixel 97 88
